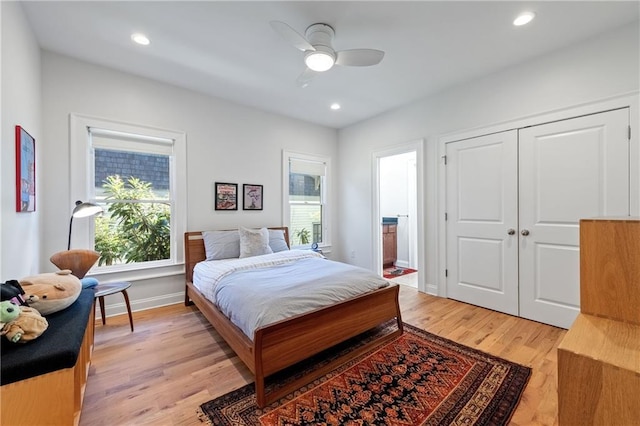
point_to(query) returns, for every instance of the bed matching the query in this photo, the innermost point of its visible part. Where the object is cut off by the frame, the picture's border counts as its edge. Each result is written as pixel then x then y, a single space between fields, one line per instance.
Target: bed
pixel 281 344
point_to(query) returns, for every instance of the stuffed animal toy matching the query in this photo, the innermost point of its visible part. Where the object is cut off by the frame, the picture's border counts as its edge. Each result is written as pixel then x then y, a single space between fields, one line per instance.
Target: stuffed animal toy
pixel 12 291
pixel 51 292
pixel 27 326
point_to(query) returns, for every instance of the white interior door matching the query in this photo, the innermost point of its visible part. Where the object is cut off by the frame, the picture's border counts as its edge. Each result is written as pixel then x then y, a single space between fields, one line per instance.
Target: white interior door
pixel 571 169
pixel 482 200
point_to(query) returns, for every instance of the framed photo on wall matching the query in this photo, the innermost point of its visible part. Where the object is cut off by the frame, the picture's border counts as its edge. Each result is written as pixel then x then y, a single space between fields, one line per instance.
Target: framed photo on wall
pixel 252 197
pixel 226 196
pixel 25 171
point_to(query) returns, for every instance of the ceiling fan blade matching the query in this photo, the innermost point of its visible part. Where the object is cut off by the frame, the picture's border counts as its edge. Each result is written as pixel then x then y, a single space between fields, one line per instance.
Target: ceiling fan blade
pixel 359 57
pixel 305 78
pixel 291 35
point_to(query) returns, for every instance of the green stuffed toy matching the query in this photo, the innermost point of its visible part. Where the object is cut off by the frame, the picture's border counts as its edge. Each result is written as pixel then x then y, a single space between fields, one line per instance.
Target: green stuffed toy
pixel 21 324
pixel 8 312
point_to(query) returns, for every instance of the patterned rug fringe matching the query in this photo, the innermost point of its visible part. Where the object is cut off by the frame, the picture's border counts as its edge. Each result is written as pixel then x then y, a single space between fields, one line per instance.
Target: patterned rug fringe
pixel 203 417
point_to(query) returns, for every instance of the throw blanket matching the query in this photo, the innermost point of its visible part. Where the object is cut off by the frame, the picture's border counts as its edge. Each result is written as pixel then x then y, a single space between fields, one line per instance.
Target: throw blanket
pixel 257 291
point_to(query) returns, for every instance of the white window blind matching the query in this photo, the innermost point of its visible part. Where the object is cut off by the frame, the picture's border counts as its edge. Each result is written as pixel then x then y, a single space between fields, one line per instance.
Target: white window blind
pixel 109 139
pixel 307 167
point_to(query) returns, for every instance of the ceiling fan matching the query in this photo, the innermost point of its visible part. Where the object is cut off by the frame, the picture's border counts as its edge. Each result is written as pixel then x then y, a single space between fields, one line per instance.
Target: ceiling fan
pixel 319 54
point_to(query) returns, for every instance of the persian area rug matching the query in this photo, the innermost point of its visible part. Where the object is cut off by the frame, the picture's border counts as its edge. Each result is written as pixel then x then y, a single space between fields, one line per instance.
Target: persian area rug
pixel 396 272
pixel 417 379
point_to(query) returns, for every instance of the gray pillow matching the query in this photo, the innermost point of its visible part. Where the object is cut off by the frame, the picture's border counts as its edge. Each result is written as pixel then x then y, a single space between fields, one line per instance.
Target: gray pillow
pixel 277 241
pixel 254 242
pixel 221 244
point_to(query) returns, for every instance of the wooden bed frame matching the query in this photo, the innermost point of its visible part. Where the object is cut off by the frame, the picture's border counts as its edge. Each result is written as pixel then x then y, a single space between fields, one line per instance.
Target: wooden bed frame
pixel 289 341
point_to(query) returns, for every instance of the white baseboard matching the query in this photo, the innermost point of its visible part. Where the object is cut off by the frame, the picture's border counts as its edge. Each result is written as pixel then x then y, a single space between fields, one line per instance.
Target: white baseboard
pixel 432 289
pixel 402 263
pixel 120 308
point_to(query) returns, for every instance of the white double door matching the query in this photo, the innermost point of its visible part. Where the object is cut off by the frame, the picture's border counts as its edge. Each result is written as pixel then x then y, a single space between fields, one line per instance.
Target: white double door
pixel 514 201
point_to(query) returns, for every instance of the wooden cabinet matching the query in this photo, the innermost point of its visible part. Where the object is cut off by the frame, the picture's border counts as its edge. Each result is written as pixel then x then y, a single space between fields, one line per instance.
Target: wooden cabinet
pixel 610 269
pixel 54 398
pixel 599 357
pixel 389 245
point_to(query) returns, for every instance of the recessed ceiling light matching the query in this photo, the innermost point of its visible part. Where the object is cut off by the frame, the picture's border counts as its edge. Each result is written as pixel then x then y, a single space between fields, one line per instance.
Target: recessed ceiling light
pixel 140 39
pixel 524 18
pixel 335 106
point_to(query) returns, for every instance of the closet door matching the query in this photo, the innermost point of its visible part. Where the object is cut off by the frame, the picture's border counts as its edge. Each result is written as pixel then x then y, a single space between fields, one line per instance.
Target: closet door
pixel 571 169
pixel 482 239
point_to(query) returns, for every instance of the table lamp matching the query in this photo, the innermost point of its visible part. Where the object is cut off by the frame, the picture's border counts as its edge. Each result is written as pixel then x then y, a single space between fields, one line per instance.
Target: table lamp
pixel 82 210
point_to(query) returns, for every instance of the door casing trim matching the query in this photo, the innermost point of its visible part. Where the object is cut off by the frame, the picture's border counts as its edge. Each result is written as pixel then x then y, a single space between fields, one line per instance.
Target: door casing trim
pixel 376 247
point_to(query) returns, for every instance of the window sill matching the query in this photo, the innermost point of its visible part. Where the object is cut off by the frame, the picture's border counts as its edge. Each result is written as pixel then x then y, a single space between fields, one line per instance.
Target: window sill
pixel 325 248
pixel 139 273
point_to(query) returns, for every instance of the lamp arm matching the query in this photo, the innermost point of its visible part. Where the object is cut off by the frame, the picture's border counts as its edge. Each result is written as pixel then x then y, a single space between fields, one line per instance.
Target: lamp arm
pixel 70 224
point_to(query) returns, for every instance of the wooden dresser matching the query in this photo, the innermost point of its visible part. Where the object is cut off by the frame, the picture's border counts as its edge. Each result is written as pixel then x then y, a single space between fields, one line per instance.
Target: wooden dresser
pixel 389 244
pixel 599 358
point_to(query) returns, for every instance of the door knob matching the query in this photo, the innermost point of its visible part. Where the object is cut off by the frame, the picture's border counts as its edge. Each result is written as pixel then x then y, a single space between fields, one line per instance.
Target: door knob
pixel 511 231
pixel 525 232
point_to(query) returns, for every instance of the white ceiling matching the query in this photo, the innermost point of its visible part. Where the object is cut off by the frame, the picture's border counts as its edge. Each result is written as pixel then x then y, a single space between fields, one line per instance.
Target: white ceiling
pixel 229 50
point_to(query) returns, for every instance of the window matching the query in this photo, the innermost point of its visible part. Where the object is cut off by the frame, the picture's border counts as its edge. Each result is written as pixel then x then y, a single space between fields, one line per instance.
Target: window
pixel 133 173
pixel 306 190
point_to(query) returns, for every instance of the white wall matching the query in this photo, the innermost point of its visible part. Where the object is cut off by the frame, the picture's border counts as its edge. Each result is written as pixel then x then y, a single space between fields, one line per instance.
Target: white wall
pixel 20 97
pixel 225 142
pixel 393 184
pixel 598 68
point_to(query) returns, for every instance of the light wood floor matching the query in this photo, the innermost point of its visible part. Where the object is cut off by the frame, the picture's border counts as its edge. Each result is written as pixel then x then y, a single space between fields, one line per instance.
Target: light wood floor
pixel 174 361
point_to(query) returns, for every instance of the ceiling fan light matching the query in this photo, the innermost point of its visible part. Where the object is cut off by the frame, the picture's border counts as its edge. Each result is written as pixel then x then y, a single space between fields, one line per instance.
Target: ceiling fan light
pixel 319 61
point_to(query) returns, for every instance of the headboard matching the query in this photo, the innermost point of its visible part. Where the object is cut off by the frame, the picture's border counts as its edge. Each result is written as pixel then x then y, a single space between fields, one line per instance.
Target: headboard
pixel 194 250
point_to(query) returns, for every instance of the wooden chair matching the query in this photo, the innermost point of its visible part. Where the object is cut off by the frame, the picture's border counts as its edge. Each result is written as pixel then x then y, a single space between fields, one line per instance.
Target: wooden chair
pixel 77 260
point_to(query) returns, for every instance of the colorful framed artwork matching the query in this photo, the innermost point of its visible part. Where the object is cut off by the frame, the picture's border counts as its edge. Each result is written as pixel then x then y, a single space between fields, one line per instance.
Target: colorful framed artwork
pixel 226 196
pixel 25 171
pixel 252 197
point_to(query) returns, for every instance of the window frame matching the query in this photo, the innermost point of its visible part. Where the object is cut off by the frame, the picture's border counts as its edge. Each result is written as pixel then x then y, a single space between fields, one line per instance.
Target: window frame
pixel 82 187
pixel 325 197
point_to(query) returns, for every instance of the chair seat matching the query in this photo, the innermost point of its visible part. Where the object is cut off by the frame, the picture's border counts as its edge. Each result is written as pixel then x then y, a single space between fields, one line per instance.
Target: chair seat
pixel 106 289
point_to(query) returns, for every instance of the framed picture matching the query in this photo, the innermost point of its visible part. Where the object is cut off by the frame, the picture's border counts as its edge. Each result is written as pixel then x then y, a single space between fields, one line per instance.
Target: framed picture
pixel 226 196
pixel 252 197
pixel 25 171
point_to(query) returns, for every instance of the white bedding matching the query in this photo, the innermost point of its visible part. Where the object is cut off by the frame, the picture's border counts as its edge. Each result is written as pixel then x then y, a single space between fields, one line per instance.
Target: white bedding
pixel 256 291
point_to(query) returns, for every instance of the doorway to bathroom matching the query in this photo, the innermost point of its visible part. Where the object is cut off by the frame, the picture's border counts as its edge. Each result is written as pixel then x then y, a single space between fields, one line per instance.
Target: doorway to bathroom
pixel 396 217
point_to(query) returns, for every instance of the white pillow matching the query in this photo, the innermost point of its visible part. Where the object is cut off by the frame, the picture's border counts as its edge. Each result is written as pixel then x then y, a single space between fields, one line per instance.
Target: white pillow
pixel 221 244
pixel 254 242
pixel 277 241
